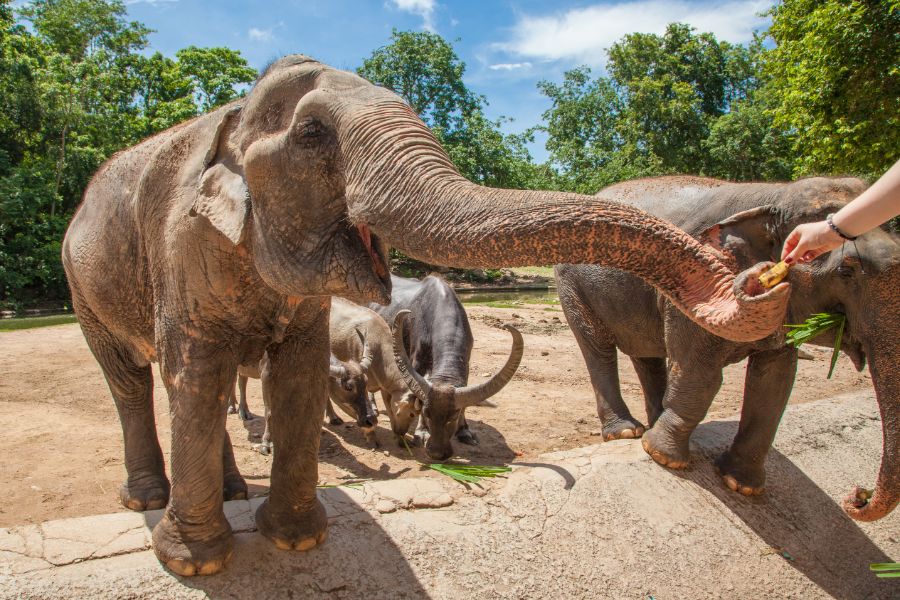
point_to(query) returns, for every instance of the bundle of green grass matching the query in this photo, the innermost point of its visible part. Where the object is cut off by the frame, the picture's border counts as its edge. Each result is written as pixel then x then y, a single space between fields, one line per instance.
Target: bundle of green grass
pixel 814 326
pixel 469 473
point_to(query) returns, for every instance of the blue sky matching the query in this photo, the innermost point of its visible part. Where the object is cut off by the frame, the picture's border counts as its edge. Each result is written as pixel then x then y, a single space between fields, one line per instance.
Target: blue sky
pixel 507 45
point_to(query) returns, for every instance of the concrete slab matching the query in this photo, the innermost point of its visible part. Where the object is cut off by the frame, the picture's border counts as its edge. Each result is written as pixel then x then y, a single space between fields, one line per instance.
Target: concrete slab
pixel 597 522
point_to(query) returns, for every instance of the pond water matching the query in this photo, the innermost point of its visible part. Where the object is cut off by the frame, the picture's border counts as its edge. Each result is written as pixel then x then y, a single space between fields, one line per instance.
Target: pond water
pixel 513 297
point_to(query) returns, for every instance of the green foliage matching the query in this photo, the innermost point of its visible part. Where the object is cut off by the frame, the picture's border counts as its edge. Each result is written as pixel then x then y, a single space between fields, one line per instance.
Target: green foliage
pixel 215 73
pixel 75 88
pixel 834 80
pixel 678 103
pixel 424 70
pixel 815 326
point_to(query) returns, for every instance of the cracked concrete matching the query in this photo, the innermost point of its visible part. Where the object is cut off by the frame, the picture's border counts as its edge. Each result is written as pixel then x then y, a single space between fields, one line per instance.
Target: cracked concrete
pixel 594 522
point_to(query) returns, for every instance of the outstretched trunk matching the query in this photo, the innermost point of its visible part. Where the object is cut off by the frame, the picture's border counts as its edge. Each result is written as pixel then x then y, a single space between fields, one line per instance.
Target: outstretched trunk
pixel 402 185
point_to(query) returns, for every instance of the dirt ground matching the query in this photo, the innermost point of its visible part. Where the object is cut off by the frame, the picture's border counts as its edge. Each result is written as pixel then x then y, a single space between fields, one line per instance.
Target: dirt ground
pixel 62 448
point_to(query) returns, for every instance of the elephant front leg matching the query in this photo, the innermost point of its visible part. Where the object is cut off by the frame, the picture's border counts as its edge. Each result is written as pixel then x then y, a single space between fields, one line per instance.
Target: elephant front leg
pixel 194 537
pixel 767 387
pixel 295 385
pixel 689 392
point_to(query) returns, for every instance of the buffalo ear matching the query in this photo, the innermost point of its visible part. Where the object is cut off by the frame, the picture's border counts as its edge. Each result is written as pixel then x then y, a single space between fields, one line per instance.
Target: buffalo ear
pixel 745 238
pixel 222 193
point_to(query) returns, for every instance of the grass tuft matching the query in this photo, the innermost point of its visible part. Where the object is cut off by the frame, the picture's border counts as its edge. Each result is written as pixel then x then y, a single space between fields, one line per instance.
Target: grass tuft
pixel 814 326
pixel 469 473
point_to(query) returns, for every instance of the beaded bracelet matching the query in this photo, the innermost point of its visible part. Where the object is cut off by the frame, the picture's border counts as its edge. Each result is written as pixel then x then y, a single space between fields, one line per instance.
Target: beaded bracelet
pixel 835 229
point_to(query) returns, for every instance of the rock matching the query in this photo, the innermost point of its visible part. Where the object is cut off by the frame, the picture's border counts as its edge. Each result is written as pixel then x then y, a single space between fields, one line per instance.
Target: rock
pixel 804 355
pixel 544 353
pixel 385 506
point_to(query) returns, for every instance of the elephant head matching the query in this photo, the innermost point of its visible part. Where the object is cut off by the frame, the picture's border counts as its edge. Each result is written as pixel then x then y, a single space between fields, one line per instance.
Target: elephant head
pixel 441 403
pixel 347 383
pixel 860 280
pixel 317 170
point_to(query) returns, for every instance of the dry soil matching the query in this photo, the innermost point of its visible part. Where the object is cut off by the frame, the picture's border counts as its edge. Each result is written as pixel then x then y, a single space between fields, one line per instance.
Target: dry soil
pixel 62 447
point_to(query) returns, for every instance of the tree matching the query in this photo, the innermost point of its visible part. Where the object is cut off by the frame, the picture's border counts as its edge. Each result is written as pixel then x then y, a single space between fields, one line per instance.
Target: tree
pixel 674 86
pixel 834 78
pixel 424 70
pixel 165 93
pixel 75 88
pixel 678 103
pixel 215 73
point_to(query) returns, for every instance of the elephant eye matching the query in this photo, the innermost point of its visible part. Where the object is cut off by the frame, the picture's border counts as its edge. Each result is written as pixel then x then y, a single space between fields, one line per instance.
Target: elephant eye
pixel 309 130
pixel 845 271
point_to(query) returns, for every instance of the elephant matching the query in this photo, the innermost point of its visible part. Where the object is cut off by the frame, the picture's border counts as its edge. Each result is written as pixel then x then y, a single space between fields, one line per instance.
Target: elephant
pixel 224 238
pixel 433 353
pixel 748 222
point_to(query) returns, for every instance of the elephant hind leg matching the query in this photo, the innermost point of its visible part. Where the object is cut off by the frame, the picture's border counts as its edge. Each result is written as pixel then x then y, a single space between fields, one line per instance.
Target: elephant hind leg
pixel 651 373
pixel 598 347
pixel 131 385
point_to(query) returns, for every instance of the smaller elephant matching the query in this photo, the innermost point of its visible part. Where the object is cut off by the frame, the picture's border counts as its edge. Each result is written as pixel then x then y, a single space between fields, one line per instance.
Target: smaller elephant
pixel 680 365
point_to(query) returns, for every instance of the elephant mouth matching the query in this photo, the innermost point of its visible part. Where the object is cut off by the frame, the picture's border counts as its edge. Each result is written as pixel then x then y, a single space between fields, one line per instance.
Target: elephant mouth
pixel 376 252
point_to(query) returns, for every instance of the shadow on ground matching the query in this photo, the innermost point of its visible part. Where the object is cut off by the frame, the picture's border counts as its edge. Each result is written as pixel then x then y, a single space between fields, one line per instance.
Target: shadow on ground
pixel 358 560
pixel 798 520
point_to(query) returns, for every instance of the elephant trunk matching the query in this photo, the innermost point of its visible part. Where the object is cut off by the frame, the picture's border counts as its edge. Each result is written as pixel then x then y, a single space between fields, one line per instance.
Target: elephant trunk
pixel 883 355
pixel 402 185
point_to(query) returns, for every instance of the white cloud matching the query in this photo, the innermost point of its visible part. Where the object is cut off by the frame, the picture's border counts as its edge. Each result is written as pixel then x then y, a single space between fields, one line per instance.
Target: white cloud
pixel 260 35
pixel 584 34
pixel 423 8
pixel 510 66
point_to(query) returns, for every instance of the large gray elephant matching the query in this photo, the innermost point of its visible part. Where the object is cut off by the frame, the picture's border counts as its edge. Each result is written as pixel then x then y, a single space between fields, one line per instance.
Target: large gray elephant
pixel 609 309
pixel 223 238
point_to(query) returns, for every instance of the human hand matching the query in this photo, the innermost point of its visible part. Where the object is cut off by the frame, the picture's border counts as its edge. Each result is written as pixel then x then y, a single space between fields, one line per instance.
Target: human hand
pixel 808 241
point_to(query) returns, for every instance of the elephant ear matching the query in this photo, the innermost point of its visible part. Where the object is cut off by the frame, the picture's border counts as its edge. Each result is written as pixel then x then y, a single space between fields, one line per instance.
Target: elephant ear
pixel 222 193
pixel 745 238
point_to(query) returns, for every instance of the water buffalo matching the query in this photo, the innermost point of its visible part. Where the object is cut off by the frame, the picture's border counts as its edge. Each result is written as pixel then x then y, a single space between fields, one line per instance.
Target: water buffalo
pixel 438 342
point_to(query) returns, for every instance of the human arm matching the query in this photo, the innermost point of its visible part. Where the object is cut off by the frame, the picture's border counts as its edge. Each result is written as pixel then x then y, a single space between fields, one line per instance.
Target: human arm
pixel 868 210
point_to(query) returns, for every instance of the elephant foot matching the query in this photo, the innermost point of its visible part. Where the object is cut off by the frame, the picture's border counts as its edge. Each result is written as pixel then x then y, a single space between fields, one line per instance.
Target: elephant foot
pixel 622 429
pixel 264 448
pixel 465 436
pixel 235 488
pixel 149 493
pixel 192 550
pixel 290 529
pixel 664 449
pixel 335 421
pixel 747 481
pixel 246 415
pixel 232 409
